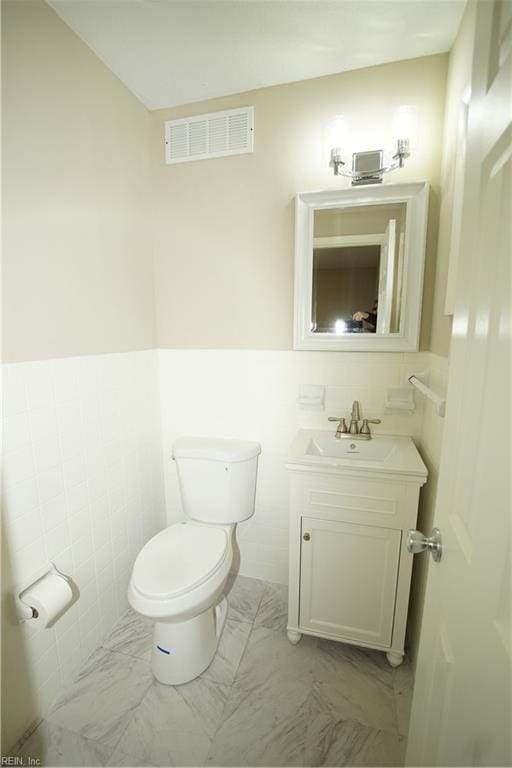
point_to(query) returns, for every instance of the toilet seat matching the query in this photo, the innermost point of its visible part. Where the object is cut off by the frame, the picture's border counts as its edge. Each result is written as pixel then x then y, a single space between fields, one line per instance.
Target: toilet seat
pixel 179 559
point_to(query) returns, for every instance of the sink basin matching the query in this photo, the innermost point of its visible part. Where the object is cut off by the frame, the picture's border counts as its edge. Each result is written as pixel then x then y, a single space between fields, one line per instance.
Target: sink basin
pixel 325 444
pixel 390 454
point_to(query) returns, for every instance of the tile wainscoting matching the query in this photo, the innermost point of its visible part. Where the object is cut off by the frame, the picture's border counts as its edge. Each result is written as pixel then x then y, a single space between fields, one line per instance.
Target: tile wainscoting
pixel 429 444
pixel 82 487
pixel 250 394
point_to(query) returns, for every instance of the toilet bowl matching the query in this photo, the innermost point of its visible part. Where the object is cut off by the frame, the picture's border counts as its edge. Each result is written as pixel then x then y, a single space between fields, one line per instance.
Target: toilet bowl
pixel 179 576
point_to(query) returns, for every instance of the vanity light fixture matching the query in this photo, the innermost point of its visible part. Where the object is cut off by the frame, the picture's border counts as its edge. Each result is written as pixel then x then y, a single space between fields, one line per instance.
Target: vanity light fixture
pixel 368 167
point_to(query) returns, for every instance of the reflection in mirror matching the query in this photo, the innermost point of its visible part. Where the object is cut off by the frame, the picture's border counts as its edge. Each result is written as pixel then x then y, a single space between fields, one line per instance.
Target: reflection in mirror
pixel 358 266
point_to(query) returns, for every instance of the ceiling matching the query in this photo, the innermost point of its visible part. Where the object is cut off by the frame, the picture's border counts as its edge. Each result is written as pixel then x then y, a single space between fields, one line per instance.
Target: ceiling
pixel 171 52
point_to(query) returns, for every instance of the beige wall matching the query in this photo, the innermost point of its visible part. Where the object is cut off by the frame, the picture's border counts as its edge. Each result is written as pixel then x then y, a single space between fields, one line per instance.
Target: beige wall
pixel 77 269
pixel 458 81
pixel 224 227
pixel 76 205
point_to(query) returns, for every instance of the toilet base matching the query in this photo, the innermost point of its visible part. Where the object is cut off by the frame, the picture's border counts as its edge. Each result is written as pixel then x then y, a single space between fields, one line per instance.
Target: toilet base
pixel 182 650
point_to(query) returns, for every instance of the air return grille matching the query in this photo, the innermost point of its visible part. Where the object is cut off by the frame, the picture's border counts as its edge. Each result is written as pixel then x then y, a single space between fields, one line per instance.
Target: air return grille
pixel 214 135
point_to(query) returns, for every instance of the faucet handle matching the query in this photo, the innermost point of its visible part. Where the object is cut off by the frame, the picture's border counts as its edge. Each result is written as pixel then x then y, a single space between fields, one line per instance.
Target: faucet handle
pixel 365 429
pixel 342 425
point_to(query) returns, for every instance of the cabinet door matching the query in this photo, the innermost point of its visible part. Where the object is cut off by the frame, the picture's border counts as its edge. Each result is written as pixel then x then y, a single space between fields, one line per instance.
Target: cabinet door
pixel 348 580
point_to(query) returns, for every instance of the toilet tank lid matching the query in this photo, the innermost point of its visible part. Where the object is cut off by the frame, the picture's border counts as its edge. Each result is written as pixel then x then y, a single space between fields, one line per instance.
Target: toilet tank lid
pixel 215 449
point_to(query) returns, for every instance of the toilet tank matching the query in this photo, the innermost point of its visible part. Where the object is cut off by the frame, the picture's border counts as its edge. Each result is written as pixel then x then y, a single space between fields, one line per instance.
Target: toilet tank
pixel 217 478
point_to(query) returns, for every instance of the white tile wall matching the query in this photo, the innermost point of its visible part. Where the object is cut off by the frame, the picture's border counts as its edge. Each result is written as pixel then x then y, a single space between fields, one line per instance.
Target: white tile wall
pixel 83 458
pixel 432 426
pixel 82 486
pixel 429 444
pixel 252 395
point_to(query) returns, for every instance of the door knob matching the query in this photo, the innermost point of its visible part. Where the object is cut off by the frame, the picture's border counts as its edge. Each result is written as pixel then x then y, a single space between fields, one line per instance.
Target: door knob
pixel 418 542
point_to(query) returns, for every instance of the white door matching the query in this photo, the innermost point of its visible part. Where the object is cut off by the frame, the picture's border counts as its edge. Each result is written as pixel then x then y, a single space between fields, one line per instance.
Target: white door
pixel 348 576
pixel 386 277
pixel 461 713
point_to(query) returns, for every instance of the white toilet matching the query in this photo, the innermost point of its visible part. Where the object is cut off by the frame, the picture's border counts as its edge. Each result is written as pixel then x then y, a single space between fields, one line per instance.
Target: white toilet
pixel 179 575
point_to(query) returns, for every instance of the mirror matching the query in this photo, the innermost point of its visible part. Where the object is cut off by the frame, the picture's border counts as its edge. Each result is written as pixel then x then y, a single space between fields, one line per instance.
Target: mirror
pixel 359 260
pixel 358 269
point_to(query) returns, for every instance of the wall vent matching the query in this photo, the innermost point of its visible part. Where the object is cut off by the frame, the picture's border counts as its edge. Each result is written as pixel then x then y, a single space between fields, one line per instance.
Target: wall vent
pixel 216 134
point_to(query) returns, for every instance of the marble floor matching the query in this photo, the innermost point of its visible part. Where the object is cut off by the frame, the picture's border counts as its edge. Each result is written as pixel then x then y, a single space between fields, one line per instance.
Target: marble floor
pixel 262 701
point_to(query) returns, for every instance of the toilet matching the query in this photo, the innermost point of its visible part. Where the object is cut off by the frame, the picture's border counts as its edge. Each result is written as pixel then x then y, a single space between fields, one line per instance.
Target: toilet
pixel 179 576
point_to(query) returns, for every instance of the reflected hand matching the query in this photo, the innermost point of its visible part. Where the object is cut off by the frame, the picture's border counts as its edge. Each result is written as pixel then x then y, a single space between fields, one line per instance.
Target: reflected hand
pixel 360 315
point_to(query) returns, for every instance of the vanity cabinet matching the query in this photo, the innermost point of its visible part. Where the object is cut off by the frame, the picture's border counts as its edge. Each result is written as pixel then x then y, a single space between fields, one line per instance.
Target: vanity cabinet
pixel 350 572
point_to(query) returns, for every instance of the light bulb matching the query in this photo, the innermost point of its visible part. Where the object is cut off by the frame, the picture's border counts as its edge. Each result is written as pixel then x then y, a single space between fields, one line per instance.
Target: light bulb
pixel 405 125
pixel 336 138
pixel 337 132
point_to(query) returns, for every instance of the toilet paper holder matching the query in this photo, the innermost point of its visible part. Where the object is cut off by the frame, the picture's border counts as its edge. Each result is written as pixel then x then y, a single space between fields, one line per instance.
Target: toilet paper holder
pixel 24 611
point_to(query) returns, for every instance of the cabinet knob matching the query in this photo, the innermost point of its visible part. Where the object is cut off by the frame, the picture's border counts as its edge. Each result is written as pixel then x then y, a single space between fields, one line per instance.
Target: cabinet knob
pixel 306 537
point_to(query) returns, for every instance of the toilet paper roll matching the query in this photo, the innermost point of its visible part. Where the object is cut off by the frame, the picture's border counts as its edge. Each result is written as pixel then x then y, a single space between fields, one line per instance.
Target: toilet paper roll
pixel 49 596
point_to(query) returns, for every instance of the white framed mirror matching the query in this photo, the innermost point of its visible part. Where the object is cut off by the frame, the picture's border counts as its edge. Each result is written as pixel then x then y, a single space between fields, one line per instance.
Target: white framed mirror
pixel 359 263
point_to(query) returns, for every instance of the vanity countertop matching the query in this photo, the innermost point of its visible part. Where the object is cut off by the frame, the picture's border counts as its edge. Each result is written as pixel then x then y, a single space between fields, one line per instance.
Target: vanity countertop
pixel 318 450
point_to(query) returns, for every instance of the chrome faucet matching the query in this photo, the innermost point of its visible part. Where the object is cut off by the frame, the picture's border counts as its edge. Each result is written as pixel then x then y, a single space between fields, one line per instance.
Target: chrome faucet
pixel 354 419
pixel 362 434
